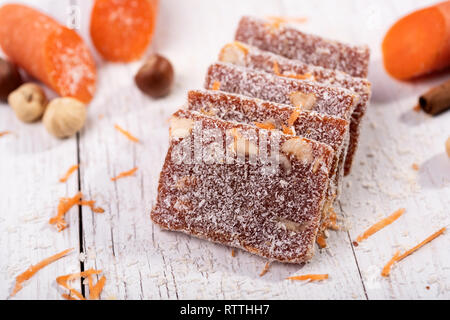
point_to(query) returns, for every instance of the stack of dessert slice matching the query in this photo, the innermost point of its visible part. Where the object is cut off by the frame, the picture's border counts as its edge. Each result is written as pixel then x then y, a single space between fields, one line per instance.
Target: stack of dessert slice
pixel 257 158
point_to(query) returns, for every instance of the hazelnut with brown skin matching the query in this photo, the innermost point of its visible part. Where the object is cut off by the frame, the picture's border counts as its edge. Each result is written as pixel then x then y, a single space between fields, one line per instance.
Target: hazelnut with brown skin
pixel 155 77
pixel 28 102
pixel 9 79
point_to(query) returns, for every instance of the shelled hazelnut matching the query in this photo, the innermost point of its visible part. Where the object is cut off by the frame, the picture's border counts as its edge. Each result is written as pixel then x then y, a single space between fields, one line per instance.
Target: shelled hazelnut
pixel 9 79
pixel 155 77
pixel 64 117
pixel 28 102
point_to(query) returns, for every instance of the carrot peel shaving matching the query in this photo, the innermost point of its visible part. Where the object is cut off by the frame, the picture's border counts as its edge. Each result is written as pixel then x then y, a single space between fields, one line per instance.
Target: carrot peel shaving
pixel 126 133
pixel 32 270
pixel 310 277
pixel 69 172
pixel 398 257
pixel 4 133
pixel 124 174
pixel 380 225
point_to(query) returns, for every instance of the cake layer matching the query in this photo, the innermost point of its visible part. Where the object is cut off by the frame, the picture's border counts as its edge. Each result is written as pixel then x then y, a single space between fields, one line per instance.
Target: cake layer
pixel 291 43
pixel 251 57
pixel 255 189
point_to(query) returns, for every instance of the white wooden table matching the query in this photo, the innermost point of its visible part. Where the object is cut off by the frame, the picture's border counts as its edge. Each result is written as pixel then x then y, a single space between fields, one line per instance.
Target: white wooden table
pixel 142 262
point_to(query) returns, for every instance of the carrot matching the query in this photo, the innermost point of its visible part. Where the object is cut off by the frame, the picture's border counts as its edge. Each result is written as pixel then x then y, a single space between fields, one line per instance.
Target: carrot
pixel 47 50
pixel 94 293
pixel 294 116
pixel 63 281
pixel 215 85
pixel 265 269
pixel 267 125
pixel 31 271
pixel 69 172
pixel 126 133
pixel 311 277
pixel 418 43
pixel 380 225
pixel 121 30
pixel 398 257
pixel 125 174
pixel 65 204
pixel 4 133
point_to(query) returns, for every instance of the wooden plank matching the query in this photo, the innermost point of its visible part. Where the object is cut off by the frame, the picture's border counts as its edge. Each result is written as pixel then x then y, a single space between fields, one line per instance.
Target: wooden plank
pixel 31 164
pixel 140 260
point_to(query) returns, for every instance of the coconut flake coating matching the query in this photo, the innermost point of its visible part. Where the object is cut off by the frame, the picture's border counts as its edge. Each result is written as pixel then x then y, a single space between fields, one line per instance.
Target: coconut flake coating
pixel 265 86
pixel 271 213
pixel 251 57
pixel 291 43
pixel 330 130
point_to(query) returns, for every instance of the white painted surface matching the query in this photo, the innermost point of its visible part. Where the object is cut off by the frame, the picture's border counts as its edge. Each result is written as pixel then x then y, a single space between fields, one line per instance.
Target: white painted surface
pixel 141 261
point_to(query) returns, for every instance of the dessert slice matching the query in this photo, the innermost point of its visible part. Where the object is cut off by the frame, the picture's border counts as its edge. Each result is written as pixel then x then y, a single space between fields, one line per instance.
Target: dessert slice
pixel 291 43
pixel 239 185
pixel 251 57
pixel 330 130
pixel 303 94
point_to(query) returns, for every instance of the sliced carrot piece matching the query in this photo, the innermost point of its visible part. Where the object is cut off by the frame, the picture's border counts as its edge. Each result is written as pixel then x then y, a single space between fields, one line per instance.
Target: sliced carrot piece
pixel 121 30
pixel 69 172
pixel 31 271
pixel 126 133
pixel 124 174
pixel 310 277
pixel 418 43
pixel 48 51
pixel 4 133
pixel 380 225
pixel 398 257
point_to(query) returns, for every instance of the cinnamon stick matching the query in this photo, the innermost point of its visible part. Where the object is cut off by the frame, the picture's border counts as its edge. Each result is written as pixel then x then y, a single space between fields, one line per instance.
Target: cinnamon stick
pixel 436 100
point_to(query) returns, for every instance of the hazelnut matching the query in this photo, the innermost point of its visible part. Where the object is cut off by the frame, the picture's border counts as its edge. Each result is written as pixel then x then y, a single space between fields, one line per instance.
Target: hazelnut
pixel 64 117
pixel 9 79
pixel 155 77
pixel 28 102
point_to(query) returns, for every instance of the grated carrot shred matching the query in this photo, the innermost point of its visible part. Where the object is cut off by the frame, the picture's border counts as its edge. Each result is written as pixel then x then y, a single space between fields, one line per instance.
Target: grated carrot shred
pixel 125 174
pixel 310 277
pixel 276 68
pixel 32 270
pixel 276 71
pixel 233 253
pixel 380 225
pixel 126 133
pixel 398 257
pixel 65 204
pixel 387 268
pixel 287 130
pixel 265 269
pixel 215 85
pixel 69 172
pixel 4 133
pixel 94 293
pixel 266 125
pixel 321 241
pixel 294 116
pixel 73 293
pixel 415 167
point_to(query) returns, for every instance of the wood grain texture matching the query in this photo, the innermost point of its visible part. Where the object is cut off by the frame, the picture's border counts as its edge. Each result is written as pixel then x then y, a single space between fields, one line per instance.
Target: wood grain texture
pixel 141 261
